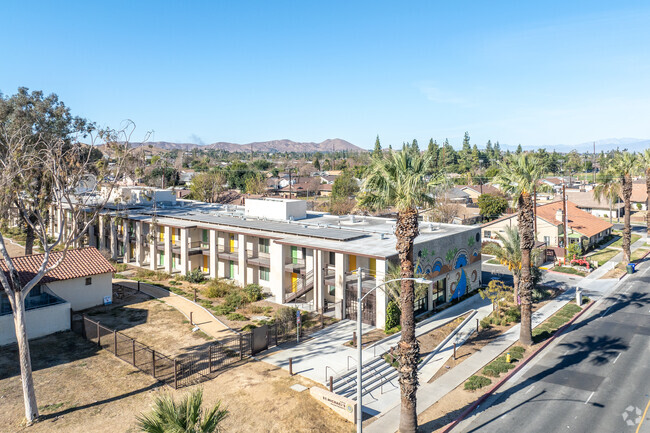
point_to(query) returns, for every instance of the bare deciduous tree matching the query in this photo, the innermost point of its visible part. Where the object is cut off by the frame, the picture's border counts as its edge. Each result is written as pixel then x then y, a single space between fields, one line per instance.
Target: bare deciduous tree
pixel 66 163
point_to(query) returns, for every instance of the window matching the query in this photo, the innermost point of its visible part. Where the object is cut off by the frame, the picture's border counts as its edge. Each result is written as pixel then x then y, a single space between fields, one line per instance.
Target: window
pixel 332 258
pixel 264 273
pixel 440 292
pixel 89 281
pixel 264 245
pixel 488 233
pixel 547 240
pixel 331 290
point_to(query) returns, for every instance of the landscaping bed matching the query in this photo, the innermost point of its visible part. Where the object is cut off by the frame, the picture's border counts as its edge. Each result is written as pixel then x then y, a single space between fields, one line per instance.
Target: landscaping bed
pixel 603 256
pixel 569 270
pixel 619 242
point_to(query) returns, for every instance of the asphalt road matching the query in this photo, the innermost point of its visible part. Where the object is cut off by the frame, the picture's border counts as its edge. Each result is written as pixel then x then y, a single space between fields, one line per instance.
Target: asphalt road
pixel 635 228
pixel 593 378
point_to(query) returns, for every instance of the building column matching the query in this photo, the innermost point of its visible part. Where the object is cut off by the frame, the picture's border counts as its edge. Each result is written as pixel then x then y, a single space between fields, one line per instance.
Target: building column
pixel 113 239
pixel 91 236
pixel 276 262
pixel 319 279
pixel 341 265
pixel 153 247
pixel 102 242
pixel 139 250
pixel 168 249
pixel 242 262
pixel 126 241
pixel 213 260
pixel 185 266
pixel 381 299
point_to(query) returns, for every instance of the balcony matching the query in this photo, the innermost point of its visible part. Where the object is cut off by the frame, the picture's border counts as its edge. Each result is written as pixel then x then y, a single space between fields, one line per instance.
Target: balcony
pixel 232 255
pixel 294 265
pixel 260 260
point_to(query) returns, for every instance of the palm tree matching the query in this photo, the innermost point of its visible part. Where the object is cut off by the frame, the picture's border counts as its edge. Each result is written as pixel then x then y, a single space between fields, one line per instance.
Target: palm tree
pixel 608 188
pixel 645 161
pixel 186 417
pixel 623 167
pixel 398 179
pixel 518 176
pixel 510 255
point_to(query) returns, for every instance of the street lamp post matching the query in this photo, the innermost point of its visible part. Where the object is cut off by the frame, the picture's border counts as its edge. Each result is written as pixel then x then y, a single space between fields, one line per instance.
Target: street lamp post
pixel 360 299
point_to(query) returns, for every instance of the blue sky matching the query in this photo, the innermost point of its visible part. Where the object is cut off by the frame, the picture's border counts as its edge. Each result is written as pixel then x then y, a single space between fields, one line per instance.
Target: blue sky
pixel 535 73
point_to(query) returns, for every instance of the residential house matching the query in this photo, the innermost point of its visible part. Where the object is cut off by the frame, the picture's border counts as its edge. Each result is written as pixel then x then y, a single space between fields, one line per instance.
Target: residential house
pixel 81 281
pixel 585 200
pixel 475 191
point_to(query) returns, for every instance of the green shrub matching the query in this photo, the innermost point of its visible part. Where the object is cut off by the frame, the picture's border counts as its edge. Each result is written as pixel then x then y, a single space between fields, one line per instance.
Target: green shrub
pixel 393 330
pixel 194 276
pixel 393 314
pixel 513 314
pixel 256 309
pixel 223 310
pixel 174 283
pixel 219 288
pixel 504 321
pixel 517 353
pixel 236 317
pixel 286 315
pixel 253 292
pixel 234 299
pixel 120 267
pixel 476 382
pixel 485 323
pixel 248 327
pixel 585 300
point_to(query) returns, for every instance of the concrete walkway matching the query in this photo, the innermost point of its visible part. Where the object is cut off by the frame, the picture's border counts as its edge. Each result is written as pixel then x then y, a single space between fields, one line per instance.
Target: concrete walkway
pixel 202 318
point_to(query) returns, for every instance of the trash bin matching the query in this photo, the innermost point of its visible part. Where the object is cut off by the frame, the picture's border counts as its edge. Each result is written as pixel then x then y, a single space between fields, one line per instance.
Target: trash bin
pixel 630 268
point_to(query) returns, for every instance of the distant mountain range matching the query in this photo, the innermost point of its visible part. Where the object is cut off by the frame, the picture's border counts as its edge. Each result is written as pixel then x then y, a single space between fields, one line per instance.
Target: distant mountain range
pixel 631 144
pixel 329 145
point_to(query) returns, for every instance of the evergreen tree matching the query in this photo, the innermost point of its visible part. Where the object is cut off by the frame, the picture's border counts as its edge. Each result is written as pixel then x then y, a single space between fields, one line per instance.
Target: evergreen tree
pixel 489 152
pixel 497 151
pixel 377 151
pixel 415 147
pixel 433 151
pixel 519 149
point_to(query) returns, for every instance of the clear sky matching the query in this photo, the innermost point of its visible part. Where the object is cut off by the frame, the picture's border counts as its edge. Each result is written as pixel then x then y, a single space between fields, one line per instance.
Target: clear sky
pixel 535 73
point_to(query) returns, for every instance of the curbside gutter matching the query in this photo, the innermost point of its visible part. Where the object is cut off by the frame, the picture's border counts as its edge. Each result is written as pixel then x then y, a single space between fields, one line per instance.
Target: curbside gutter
pixel 496 386
pixel 435 351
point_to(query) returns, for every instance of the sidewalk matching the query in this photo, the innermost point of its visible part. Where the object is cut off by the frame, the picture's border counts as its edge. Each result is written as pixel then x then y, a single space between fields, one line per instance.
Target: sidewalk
pixel 430 393
pixel 611 263
pixel 201 317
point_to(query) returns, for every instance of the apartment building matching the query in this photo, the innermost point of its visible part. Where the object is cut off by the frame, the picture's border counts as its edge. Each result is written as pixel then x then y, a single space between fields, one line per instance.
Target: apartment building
pixel 297 256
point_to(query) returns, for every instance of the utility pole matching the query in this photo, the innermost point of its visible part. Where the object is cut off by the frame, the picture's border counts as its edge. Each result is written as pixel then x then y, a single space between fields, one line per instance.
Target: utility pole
pixel 535 210
pixel 565 221
pixel 593 163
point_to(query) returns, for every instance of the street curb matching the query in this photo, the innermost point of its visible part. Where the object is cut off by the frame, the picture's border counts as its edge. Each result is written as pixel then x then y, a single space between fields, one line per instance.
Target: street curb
pixel 481 399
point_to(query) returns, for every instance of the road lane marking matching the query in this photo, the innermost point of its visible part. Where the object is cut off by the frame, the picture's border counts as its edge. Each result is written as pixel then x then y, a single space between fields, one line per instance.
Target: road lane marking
pixel 531 388
pixel 590 395
pixel 645 412
pixel 619 355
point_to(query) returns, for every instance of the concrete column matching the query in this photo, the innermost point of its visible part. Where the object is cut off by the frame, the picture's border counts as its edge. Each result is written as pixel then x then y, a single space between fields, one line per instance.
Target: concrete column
pixel 342 263
pixel 185 266
pixel 91 236
pixel 243 262
pixel 153 250
pixel 319 279
pixel 252 250
pixel 276 260
pixel 222 244
pixel 113 240
pixel 127 241
pixel 381 299
pixel 168 249
pixel 102 242
pixel 139 250
pixel 213 253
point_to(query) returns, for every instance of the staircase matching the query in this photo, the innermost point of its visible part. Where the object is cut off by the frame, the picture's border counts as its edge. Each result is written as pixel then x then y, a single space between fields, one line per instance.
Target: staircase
pixel 300 287
pixel 376 375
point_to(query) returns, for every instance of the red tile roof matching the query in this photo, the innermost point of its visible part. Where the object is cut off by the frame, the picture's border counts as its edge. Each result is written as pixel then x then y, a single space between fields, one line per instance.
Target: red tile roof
pixel 582 222
pixel 78 263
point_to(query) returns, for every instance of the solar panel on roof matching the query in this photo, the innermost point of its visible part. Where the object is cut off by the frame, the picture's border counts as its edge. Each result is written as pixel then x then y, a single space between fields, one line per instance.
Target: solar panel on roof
pixel 271 226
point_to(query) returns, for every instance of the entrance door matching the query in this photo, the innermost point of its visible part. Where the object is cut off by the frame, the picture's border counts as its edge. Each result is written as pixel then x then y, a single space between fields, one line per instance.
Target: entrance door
pixel 232 270
pixel 232 243
pixel 368 313
pixel 353 263
pixel 294 282
pixel 294 255
pixel 373 268
pixel 205 264
pixel 259 339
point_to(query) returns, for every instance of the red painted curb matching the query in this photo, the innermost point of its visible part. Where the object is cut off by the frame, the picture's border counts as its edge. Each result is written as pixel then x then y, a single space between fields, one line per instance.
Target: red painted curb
pixel 515 370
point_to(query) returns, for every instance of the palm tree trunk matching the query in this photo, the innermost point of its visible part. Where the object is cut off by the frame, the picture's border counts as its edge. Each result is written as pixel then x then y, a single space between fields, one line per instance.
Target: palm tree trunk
pixel 611 208
pixel 647 202
pixel 627 227
pixel 527 241
pixel 515 285
pixel 406 230
pixel 29 395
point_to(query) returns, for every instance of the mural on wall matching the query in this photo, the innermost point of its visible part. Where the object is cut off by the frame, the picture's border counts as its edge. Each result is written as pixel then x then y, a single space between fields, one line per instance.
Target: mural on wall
pixel 431 265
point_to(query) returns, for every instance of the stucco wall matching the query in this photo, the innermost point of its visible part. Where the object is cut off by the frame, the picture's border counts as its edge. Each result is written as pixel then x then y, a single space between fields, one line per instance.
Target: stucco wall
pixel 79 295
pixel 40 322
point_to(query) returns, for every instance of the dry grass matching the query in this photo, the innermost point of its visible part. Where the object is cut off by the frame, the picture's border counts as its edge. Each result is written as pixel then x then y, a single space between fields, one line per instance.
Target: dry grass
pixel 81 389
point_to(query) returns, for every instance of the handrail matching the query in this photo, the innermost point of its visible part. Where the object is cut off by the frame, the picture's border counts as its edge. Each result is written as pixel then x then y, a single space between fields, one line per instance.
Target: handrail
pixel 347 380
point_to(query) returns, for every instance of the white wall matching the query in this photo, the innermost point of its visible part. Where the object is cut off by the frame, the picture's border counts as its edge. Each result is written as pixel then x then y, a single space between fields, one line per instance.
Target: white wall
pixel 276 209
pixel 39 322
pixel 79 295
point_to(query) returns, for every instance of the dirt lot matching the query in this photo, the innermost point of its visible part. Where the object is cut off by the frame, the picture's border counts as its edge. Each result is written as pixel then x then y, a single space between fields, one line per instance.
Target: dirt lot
pixel 81 389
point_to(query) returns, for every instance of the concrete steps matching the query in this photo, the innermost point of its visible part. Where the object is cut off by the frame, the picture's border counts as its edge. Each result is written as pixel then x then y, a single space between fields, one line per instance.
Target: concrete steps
pixel 375 374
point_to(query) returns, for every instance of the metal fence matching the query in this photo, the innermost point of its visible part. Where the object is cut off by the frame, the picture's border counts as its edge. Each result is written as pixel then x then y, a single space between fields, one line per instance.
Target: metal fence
pixel 188 369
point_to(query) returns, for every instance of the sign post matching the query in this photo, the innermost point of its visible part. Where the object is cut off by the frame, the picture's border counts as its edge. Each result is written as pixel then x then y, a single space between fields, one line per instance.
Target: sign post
pixel 298 326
